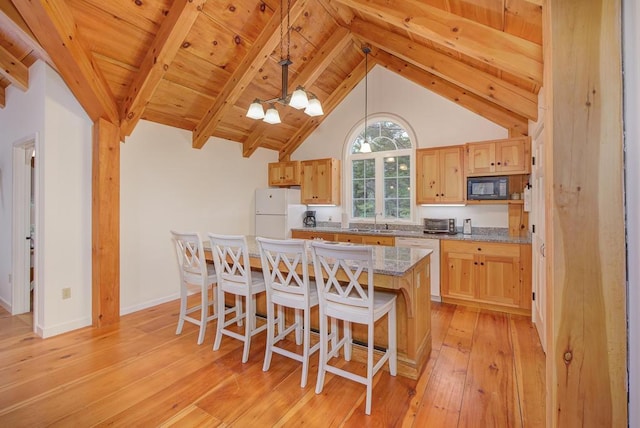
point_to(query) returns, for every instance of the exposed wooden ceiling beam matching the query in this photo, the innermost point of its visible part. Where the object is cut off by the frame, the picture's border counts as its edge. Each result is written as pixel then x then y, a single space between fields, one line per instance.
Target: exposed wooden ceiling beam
pixel 13 25
pixel 483 84
pixel 329 105
pixel 343 15
pixel 490 111
pixel 242 76
pixel 54 26
pixel 12 69
pixel 3 101
pixel 494 47
pixel 160 55
pixel 320 61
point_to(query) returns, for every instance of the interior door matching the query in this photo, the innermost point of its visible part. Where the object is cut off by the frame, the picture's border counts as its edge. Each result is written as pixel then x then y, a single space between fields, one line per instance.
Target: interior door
pixel 538 313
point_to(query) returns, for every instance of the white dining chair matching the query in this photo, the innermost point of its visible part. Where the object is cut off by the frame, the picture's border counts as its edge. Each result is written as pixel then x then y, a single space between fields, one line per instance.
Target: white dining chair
pixel 196 275
pixel 286 276
pixel 231 258
pixel 338 270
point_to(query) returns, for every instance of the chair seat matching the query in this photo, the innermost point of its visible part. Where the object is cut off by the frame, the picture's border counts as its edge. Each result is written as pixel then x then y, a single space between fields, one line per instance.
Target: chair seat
pixel 296 301
pixel 257 286
pixel 381 303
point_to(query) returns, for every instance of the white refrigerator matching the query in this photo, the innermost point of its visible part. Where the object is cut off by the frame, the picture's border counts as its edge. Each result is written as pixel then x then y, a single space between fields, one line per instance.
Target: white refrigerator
pixel 277 212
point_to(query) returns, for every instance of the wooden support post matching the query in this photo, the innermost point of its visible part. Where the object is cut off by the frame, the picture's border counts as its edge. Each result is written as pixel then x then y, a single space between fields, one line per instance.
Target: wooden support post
pixel 585 232
pixel 106 224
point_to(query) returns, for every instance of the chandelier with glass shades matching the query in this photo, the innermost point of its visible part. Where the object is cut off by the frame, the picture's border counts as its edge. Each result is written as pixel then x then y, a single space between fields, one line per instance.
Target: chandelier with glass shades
pixel 299 99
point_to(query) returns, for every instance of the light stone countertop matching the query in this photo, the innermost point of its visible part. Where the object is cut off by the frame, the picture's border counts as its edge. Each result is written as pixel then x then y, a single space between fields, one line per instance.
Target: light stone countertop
pixel 485 234
pixel 393 261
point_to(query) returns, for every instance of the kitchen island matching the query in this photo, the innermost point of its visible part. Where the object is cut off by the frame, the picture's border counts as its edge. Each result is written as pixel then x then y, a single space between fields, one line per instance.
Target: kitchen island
pixel 404 271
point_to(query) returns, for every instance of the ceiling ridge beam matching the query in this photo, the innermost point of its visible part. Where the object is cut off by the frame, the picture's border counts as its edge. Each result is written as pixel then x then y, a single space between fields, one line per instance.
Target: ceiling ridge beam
pixel 489 45
pixel 165 46
pixel 325 55
pixel 478 105
pixel 336 97
pixel 485 85
pixel 242 76
pixel 53 24
pixel 14 70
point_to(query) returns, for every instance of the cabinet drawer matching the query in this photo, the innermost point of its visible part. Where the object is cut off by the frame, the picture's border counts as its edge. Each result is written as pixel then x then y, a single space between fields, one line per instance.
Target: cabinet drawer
pixel 347 237
pixel 479 247
pixel 303 234
pixel 389 241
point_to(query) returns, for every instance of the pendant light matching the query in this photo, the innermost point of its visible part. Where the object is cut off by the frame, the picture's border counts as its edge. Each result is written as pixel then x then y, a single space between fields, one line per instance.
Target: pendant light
pixel 299 99
pixel 366 146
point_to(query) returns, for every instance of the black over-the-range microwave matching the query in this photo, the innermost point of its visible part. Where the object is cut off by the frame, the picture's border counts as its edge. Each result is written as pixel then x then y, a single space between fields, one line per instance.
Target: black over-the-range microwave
pixel 487 188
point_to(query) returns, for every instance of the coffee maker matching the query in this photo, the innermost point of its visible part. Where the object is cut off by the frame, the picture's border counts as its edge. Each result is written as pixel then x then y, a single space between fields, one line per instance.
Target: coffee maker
pixel 309 219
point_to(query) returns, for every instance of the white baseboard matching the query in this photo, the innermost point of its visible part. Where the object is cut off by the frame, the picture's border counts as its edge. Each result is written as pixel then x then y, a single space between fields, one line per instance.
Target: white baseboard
pixel 62 328
pixel 6 305
pixel 148 304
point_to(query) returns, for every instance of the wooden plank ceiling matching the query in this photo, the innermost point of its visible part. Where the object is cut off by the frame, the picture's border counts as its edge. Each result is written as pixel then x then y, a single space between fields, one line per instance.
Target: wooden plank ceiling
pixel 198 64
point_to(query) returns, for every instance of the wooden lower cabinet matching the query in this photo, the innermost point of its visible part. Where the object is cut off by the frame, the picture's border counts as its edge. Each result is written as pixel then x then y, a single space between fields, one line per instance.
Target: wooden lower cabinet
pixel 487 274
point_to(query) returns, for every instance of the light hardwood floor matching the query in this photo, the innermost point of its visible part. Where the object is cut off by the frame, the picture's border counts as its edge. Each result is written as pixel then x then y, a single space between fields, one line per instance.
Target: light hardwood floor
pixel 486 370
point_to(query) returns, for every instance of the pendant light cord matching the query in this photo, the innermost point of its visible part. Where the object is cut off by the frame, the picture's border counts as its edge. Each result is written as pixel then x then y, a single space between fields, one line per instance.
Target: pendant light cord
pixel 366 51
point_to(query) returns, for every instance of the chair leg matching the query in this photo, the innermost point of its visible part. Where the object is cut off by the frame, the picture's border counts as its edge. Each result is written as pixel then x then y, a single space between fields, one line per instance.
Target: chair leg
pixel 204 312
pixel 347 342
pixel 306 346
pixel 239 310
pixel 370 336
pixel 270 336
pixel 183 309
pixel 393 346
pixel 250 313
pixel 221 320
pixel 299 320
pixel 323 353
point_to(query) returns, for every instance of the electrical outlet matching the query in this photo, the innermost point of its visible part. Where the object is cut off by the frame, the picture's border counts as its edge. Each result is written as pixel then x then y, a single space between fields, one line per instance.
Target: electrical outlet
pixel 66 293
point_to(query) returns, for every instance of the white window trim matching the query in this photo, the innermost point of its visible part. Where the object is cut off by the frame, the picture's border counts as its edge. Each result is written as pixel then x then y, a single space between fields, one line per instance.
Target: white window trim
pixel 348 176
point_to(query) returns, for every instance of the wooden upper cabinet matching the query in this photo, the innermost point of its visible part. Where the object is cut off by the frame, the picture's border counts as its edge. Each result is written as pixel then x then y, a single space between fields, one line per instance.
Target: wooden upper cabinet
pixel 284 173
pixel 498 157
pixel 320 181
pixel 440 177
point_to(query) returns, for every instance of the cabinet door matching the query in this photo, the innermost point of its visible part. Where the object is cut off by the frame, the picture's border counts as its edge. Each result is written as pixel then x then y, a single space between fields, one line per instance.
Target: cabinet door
pixel 308 182
pixel 275 174
pixel 512 156
pixel 428 176
pixel 481 158
pixel 458 275
pixel 323 181
pixel 499 280
pixel 304 234
pixel 451 176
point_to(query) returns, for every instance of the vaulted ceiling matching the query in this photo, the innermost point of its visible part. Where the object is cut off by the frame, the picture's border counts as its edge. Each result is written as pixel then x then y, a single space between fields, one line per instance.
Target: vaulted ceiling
pixel 198 64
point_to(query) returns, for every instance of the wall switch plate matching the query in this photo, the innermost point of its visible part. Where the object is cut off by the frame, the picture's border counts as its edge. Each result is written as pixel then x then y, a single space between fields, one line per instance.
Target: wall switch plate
pixel 66 293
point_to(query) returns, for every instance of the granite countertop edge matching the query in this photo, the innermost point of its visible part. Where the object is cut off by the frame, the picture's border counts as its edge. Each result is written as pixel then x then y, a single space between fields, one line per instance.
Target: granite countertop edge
pixel 478 234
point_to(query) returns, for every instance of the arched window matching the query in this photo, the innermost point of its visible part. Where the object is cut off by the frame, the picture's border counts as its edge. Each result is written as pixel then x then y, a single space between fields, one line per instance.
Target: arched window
pixel 381 175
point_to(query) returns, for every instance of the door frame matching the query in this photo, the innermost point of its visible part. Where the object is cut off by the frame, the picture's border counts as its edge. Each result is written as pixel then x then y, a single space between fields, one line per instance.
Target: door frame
pixel 21 223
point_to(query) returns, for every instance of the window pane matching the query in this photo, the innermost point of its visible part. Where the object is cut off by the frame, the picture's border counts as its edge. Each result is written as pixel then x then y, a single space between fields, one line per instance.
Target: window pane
pixel 385 138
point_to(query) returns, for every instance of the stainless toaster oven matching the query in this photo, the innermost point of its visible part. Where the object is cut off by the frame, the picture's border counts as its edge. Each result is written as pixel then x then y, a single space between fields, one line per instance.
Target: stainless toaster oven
pixel 440 225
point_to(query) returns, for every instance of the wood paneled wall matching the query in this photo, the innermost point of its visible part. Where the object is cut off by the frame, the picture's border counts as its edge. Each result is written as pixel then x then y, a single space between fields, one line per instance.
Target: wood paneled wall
pixel 586 356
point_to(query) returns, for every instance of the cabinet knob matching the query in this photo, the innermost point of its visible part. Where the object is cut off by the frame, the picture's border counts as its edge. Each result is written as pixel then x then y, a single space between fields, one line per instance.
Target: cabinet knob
pixel 481 263
pixel 475 263
pixel 479 249
pixel 492 164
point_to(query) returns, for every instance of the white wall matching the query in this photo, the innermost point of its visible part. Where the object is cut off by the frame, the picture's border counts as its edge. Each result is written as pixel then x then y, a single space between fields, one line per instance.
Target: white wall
pixel 631 52
pixel 22 118
pixel 435 121
pixel 165 185
pixel 63 198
